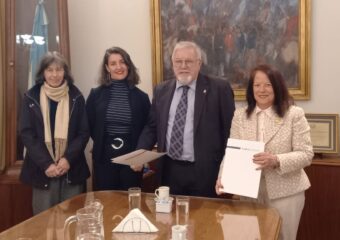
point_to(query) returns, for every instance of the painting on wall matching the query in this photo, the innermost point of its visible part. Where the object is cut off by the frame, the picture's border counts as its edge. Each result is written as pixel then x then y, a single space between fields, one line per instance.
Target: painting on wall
pixel 235 36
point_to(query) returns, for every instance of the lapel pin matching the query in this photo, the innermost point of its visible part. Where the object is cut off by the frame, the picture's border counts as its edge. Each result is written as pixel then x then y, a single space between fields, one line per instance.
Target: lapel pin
pixel 278 120
pixel 204 91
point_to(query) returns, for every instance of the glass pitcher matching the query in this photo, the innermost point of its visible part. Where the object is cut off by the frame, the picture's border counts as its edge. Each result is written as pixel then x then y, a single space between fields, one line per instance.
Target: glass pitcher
pixel 88 217
pixel 89 229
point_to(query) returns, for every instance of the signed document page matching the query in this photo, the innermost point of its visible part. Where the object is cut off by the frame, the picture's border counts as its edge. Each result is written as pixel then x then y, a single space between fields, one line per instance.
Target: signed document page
pixel 138 157
pixel 239 174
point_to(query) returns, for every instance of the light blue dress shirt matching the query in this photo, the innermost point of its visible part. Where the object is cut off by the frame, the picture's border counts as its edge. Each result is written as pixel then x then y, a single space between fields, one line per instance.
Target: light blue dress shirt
pixel 188 137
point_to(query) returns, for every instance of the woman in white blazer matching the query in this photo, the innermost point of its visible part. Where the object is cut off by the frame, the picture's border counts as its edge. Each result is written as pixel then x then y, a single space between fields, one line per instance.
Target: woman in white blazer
pixel 272 118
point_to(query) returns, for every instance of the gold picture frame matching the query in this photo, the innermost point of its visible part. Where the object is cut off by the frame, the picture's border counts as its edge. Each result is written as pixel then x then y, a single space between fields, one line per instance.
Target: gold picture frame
pixel 299 44
pixel 324 132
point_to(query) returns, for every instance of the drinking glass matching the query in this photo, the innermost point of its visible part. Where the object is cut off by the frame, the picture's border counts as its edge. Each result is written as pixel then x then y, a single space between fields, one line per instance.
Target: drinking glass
pixel 182 210
pixel 134 197
pixel 179 232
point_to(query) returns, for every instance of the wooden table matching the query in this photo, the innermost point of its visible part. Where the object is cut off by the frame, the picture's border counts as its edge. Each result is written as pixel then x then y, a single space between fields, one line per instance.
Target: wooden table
pixel 208 219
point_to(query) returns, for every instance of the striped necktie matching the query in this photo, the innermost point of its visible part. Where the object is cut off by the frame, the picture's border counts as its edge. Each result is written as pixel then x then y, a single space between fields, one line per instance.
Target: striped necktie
pixel 176 140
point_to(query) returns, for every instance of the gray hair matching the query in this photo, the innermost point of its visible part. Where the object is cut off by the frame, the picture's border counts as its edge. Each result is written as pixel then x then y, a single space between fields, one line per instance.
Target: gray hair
pixel 48 59
pixel 187 44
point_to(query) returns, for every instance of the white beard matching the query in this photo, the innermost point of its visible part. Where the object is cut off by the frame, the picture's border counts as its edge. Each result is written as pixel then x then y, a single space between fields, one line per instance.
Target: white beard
pixel 185 80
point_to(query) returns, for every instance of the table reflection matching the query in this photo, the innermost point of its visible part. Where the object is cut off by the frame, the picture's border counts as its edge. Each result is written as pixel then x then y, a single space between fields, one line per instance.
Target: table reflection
pixel 208 219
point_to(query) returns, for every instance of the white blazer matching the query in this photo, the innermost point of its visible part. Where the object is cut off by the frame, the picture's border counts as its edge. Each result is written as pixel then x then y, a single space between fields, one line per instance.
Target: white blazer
pixel 289 139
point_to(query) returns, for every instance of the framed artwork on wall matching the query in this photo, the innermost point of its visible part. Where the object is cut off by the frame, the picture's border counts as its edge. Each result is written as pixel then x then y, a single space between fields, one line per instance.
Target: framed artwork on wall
pixel 324 130
pixel 235 36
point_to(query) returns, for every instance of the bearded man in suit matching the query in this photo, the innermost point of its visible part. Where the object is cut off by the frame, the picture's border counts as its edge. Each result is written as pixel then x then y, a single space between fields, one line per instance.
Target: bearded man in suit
pixel 190 118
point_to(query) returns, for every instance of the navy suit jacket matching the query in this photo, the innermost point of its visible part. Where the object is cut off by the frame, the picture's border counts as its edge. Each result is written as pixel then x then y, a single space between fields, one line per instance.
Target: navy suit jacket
pixel 213 111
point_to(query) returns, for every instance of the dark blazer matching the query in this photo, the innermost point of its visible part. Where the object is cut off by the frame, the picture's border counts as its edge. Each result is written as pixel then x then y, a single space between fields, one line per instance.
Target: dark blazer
pixel 96 105
pixel 214 108
pixel 37 158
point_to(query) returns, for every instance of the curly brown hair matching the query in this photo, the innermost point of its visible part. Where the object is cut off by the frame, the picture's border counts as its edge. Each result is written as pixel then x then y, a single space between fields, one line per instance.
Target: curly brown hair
pixel 132 77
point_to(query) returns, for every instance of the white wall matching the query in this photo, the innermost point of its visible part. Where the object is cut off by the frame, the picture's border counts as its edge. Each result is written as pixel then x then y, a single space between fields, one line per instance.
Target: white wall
pixel 325 67
pixel 97 25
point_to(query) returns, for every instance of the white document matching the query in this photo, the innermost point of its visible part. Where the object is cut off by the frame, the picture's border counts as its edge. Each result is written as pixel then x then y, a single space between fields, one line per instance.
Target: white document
pixel 239 174
pixel 138 157
pixel 135 222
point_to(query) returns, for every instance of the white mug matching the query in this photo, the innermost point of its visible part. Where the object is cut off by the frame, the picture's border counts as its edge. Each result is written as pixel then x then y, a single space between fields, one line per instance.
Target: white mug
pixel 179 232
pixel 162 193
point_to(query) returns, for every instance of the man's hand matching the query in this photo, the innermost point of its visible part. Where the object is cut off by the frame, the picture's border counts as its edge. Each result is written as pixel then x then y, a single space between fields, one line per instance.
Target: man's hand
pixel 218 186
pixel 136 168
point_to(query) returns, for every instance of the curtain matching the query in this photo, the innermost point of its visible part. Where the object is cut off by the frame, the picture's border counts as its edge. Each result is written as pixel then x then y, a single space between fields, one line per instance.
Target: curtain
pixel 2 85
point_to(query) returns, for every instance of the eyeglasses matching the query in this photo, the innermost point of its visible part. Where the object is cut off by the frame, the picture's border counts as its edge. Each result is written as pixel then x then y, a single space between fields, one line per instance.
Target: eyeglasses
pixel 187 63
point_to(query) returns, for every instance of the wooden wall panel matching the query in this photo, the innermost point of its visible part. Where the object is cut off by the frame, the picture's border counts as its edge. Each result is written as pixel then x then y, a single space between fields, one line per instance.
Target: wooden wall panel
pixel 15 202
pixel 5 219
pixel 321 215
